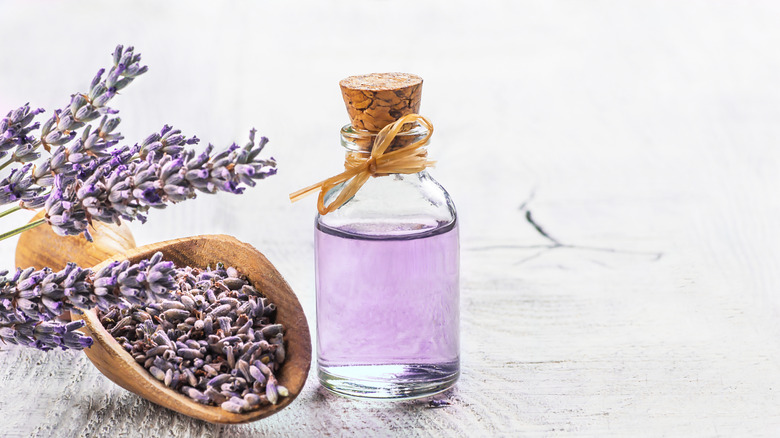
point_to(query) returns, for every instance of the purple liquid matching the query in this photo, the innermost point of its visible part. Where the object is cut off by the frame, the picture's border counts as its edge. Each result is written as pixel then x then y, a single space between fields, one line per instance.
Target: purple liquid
pixel 387 311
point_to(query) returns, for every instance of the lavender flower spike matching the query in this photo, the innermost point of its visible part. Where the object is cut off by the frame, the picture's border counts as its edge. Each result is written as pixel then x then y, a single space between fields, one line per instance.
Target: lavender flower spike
pixel 93 178
pixel 64 220
pixel 85 107
pixel 169 141
pixel 15 127
pixel 120 189
pixel 18 186
pixel 145 282
pixel 30 300
pixel 46 335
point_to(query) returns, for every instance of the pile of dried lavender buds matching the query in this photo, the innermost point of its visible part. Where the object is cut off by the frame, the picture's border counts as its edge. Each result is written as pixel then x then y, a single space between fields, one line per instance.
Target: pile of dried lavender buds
pixel 215 342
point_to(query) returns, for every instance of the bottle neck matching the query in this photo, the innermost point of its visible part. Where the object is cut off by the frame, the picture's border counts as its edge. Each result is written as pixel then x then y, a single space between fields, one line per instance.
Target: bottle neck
pixel 361 142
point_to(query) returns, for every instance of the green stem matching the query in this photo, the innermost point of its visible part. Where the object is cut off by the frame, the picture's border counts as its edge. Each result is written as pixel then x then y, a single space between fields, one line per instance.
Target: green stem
pixel 10 210
pixel 4 165
pixel 22 229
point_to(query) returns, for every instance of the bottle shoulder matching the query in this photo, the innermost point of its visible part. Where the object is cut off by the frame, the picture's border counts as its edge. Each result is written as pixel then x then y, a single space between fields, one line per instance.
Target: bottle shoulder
pixel 392 205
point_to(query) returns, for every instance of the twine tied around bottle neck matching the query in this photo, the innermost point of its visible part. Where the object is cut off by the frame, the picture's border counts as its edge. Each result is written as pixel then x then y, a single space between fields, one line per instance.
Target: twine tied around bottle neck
pixel 408 159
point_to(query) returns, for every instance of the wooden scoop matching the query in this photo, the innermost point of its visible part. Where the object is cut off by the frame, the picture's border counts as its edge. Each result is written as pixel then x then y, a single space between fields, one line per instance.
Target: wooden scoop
pixel 200 251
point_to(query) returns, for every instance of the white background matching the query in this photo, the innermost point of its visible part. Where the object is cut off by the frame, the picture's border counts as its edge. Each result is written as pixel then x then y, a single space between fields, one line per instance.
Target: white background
pixel 647 131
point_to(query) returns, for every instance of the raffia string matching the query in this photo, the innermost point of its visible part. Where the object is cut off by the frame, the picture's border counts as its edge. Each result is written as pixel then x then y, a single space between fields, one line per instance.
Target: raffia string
pixel 407 159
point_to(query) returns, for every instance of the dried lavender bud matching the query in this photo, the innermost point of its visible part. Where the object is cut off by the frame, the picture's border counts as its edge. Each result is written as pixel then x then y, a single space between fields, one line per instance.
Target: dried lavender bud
pixel 253 399
pixel 263 368
pixel 189 353
pixel 196 395
pixel 220 311
pixel 215 396
pixel 271 392
pixel 234 407
pixel 220 366
pixel 175 314
pixel 157 373
pixel 191 379
pixel 233 283
pixel 256 374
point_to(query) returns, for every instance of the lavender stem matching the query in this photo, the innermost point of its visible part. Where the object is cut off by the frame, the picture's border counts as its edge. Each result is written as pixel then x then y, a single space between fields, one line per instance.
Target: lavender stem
pixel 10 210
pixel 22 229
pixel 7 163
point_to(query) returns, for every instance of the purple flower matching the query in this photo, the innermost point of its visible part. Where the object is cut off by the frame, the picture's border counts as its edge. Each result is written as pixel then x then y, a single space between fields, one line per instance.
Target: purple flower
pixel 31 300
pixel 93 178
pixel 15 127
pixel 59 213
pixel 61 128
pixel 18 186
pixel 168 141
pixel 45 335
pixel 122 189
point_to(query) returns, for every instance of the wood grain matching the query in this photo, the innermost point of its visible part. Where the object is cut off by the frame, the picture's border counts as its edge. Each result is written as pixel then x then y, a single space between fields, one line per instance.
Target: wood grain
pixel 41 247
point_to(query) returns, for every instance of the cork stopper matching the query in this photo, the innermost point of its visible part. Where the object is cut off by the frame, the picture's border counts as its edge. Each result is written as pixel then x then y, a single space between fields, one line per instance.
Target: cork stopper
pixel 378 99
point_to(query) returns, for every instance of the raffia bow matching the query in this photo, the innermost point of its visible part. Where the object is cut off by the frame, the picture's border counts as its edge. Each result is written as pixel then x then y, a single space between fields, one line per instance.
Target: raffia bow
pixel 407 159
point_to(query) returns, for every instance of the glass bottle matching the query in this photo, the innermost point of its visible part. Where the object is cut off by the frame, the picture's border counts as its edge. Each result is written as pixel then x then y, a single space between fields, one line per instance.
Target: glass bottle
pixel 387 279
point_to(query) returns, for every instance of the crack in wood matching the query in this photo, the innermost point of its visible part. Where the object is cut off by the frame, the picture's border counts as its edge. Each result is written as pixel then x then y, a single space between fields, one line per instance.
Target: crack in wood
pixel 555 243
pixel 530 219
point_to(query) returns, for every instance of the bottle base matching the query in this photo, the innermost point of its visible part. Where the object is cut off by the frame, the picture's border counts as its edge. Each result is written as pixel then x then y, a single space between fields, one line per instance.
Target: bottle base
pixel 389 382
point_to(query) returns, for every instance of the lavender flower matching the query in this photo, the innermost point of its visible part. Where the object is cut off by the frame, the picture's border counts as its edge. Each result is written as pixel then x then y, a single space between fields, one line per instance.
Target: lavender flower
pixel 15 127
pixel 18 186
pixel 59 214
pixel 93 178
pixel 148 281
pixel 61 128
pixel 45 294
pixel 30 300
pixel 119 189
pixel 14 134
pixel 169 141
pixel 45 335
pixel 25 153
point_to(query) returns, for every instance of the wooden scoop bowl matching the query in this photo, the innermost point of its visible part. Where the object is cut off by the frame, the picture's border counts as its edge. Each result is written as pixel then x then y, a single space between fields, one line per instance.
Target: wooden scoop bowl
pixel 200 251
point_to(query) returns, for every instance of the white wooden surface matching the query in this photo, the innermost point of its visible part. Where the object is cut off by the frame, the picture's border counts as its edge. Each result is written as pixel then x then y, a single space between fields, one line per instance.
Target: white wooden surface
pixel 641 136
